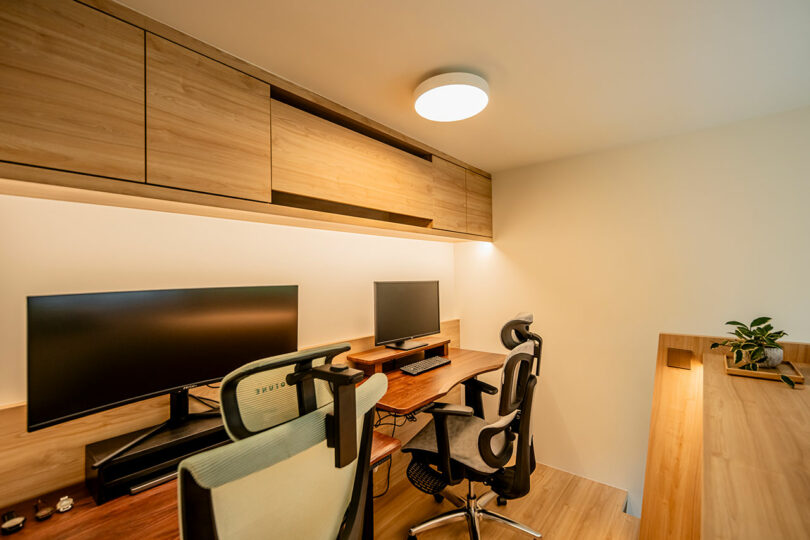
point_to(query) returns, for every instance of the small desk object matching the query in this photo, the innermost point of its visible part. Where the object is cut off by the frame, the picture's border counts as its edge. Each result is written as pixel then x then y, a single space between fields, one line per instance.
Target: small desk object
pixel 384 359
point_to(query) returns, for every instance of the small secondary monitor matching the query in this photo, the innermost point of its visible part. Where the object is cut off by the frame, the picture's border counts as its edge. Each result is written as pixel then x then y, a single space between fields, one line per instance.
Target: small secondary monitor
pixel 404 310
pixel 91 352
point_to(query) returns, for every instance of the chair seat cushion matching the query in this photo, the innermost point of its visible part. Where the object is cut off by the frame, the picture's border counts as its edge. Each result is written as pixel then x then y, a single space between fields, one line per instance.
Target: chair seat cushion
pixel 463 432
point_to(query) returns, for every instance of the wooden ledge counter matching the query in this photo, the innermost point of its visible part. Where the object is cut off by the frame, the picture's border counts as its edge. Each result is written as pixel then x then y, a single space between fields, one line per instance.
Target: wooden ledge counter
pixel 756 456
pixel 407 393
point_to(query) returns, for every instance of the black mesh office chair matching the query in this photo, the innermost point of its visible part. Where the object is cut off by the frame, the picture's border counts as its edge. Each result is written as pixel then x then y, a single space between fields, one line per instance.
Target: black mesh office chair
pixel 459 444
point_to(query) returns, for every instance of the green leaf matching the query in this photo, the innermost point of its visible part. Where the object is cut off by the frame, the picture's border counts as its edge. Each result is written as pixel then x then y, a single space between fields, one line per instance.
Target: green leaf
pixel 754 366
pixel 735 323
pixel 760 321
pixel 714 345
pixel 737 355
pixel 788 381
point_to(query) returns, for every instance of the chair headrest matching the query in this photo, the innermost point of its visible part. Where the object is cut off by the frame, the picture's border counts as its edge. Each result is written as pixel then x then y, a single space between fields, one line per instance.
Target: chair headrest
pixel 516 330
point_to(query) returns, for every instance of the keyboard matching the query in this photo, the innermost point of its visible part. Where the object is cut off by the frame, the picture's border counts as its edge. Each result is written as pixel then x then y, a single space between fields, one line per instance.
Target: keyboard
pixel 425 365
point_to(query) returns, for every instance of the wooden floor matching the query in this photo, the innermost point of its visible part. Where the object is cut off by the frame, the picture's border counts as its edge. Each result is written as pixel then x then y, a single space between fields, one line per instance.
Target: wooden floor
pixel 560 506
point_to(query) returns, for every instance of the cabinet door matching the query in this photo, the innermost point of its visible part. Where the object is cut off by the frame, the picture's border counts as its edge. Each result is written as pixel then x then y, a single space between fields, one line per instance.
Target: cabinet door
pixel 207 125
pixel 479 204
pixel 71 89
pixel 317 158
pixel 449 196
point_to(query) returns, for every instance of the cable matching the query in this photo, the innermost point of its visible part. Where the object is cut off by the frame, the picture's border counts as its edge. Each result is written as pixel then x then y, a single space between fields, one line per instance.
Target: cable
pixel 407 418
pixel 205 401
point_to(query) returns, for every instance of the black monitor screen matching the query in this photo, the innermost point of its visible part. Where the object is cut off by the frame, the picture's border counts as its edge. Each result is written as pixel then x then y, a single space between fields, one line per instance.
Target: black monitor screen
pixel 90 352
pixel 405 310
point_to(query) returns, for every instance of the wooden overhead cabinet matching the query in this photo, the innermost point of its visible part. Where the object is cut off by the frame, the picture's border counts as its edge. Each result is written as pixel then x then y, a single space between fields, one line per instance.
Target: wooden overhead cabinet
pixel 313 157
pixel 449 196
pixel 207 125
pixel 71 89
pixel 479 204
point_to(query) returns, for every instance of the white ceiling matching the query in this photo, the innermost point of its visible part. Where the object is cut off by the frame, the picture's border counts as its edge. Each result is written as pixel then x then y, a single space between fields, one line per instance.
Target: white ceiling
pixel 566 76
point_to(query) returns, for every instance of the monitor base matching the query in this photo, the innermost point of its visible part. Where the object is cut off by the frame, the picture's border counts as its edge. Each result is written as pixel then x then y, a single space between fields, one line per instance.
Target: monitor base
pixel 148 457
pixel 406 345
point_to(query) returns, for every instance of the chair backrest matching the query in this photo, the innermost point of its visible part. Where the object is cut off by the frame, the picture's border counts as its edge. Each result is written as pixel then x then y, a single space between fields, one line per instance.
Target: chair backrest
pixel 516 403
pixel 279 478
pixel 495 441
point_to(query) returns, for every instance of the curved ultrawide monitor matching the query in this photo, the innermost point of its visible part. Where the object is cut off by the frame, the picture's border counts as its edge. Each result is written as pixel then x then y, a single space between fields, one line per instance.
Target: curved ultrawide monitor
pixel 404 310
pixel 91 352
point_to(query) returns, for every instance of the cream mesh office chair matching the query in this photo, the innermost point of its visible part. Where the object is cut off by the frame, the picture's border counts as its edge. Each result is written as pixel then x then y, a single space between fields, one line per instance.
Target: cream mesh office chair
pixel 294 470
pixel 460 444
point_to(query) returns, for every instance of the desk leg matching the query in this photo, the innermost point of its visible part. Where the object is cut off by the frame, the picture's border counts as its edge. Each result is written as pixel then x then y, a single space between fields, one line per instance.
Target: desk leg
pixel 368 517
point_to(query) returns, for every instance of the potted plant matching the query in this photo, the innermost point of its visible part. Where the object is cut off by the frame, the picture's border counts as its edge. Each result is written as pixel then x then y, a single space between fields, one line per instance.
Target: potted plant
pixel 755 345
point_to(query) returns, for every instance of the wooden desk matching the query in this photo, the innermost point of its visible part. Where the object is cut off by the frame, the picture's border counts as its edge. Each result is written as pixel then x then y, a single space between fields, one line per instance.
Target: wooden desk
pixel 408 393
pixel 151 514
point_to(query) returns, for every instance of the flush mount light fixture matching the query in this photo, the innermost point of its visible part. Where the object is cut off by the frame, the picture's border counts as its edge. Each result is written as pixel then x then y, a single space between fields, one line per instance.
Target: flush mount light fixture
pixel 451 96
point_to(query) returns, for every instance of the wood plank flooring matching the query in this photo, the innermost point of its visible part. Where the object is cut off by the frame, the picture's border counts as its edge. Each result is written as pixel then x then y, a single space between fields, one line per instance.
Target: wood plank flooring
pixel 561 506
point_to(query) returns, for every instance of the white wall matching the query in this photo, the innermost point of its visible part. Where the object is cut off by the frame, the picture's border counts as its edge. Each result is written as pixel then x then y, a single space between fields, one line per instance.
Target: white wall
pixel 51 247
pixel 609 249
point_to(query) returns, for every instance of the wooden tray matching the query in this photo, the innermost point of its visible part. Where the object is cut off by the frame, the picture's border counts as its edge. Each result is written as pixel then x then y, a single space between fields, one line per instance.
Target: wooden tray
pixel 786 368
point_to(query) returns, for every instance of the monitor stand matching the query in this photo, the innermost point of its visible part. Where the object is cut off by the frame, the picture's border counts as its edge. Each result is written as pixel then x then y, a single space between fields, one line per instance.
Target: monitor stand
pixel 178 415
pixel 406 345
pixel 137 457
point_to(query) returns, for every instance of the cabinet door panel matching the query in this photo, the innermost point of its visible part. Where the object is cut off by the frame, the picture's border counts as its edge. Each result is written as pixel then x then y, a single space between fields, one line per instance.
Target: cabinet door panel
pixel 479 204
pixel 207 125
pixel 449 196
pixel 317 158
pixel 71 89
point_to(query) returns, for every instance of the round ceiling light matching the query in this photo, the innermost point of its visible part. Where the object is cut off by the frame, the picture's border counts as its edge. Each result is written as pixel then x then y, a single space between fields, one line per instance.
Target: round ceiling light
pixel 451 96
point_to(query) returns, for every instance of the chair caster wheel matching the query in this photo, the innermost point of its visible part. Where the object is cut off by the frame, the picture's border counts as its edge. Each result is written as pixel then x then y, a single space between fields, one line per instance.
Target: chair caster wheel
pixel 501 501
pixel 436 497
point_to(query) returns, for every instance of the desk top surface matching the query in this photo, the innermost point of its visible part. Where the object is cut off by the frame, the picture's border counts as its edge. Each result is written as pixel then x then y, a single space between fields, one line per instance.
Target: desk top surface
pixel 756 456
pixel 408 393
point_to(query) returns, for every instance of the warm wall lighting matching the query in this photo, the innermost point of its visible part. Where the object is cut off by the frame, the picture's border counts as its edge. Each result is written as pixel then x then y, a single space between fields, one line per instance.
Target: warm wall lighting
pixel 451 96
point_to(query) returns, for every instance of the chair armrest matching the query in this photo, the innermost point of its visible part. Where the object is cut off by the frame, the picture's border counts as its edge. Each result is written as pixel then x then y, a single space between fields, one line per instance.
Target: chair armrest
pixel 448 409
pixel 474 391
pixel 480 386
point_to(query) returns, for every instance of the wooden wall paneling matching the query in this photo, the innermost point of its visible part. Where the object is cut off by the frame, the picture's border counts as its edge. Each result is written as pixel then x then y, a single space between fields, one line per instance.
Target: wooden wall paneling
pixel 207 125
pixel 35 463
pixel 449 196
pixel 479 204
pixel 71 89
pixel 316 158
